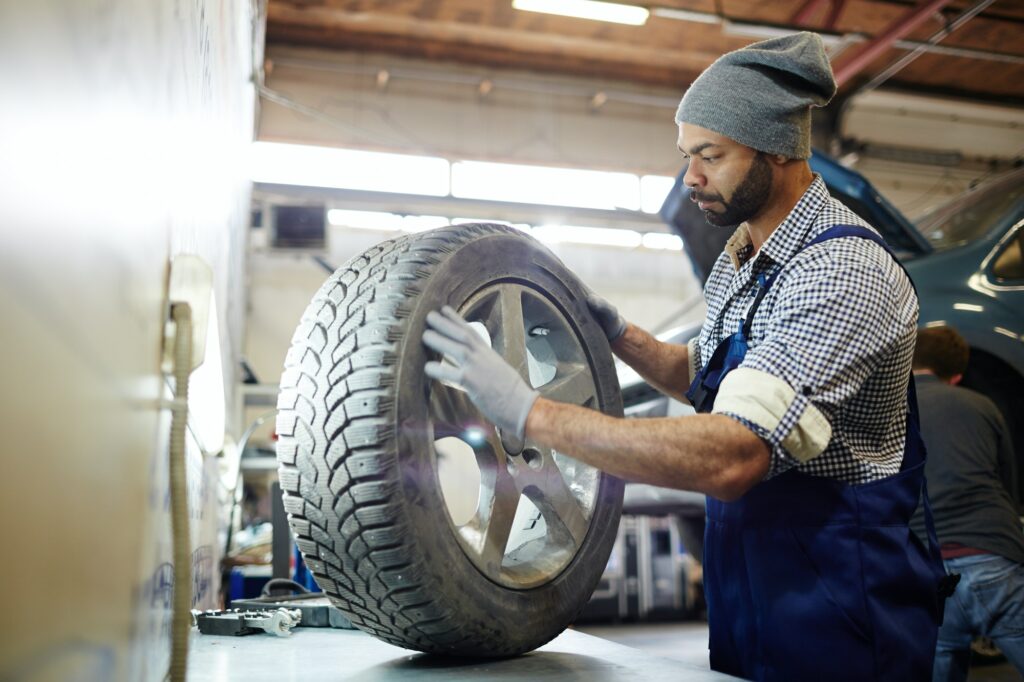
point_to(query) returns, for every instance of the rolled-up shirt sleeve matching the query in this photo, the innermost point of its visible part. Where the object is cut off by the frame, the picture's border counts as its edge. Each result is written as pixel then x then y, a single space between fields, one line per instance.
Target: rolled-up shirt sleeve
pixel 831 326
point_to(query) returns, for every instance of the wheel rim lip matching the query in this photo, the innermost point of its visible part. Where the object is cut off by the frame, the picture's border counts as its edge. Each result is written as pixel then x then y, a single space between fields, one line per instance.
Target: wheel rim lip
pixel 529 574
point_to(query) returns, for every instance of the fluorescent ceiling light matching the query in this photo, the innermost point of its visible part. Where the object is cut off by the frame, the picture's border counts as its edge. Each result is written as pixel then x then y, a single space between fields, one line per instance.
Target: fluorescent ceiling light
pixel 365 220
pixel 293 164
pixel 587 9
pixel 382 221
pixel 543 185
pixel 662 240
pixel 602 236
pixel 653 190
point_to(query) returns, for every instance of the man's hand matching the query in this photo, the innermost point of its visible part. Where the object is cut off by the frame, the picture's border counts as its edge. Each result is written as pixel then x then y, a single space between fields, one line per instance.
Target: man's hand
pixel 490 382
pixel 613 324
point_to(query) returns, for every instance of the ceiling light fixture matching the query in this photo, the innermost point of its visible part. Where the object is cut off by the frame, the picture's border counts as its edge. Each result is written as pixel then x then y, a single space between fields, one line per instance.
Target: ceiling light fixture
pixel 587 9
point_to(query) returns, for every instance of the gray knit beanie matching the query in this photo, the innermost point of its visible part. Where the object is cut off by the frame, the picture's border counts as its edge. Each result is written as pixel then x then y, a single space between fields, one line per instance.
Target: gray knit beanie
pixel 761 95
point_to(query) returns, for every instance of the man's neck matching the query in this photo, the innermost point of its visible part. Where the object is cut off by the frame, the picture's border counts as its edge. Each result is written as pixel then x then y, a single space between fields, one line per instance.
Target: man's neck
pixel 791 188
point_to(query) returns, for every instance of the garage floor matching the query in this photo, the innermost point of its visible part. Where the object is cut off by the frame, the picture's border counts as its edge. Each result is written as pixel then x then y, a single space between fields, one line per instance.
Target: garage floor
pixel 326 653
pixel 688 643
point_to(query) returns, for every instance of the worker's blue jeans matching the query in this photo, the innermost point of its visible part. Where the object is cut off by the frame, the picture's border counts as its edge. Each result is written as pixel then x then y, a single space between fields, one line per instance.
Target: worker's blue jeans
pixel 989 601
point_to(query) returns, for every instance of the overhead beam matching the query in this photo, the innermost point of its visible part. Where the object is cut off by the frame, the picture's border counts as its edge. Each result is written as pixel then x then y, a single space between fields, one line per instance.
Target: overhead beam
pixel 360 28
pixel 939 35
pixel 409 204
pixel 900 28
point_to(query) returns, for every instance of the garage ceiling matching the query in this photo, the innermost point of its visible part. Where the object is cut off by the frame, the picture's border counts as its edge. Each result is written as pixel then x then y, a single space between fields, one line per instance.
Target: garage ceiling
pixel 983 59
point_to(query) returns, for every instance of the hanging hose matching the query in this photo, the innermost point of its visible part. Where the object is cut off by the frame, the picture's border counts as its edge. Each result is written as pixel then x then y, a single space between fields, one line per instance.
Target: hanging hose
pixel 181 619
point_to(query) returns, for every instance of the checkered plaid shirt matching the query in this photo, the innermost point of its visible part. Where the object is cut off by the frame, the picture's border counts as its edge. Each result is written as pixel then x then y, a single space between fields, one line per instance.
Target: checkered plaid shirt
pixel 838 325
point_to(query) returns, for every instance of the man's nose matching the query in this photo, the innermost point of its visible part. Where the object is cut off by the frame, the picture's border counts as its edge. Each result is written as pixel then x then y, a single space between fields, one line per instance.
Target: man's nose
pixel 692 178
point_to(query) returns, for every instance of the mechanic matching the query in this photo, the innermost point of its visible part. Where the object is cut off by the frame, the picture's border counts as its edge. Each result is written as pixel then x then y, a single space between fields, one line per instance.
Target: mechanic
pixel 972 481
pixel 805 444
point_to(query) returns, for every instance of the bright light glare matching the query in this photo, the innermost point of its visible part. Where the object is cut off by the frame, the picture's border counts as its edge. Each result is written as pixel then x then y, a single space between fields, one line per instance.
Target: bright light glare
pixel 970 307
pixel 419 223
pixel 587 9
pixel 291 164
pixel 365 220
pixel 661 240
pixel 653 190
pixel 522 227
pixel 544 185
pixel 387 222
pixel 474 436
pixel 603 236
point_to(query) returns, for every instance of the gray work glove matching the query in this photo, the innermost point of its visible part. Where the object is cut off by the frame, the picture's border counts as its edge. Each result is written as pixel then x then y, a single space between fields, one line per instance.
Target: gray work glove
pixel 489 381
pixel 613 324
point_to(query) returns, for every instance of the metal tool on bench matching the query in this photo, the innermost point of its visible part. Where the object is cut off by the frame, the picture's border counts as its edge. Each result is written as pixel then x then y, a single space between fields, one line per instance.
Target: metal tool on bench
pixel 237 622
pixel 316 608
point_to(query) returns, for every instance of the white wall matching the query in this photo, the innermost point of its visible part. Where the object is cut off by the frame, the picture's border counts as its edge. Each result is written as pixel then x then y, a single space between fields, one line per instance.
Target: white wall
pixel 122 131
pixel 980 140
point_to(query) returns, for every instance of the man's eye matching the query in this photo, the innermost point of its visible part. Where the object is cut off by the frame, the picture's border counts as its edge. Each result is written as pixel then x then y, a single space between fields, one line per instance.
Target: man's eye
pixel 708 159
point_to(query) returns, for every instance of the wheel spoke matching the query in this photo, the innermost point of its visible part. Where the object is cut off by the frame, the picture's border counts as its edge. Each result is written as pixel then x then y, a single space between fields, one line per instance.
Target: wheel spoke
pixel 573 384
pixel 505 501
pixel 561 510
pixel 510 330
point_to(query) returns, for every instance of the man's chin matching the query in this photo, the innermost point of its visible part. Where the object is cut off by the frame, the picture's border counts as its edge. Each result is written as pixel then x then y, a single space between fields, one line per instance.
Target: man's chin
pixel 718 219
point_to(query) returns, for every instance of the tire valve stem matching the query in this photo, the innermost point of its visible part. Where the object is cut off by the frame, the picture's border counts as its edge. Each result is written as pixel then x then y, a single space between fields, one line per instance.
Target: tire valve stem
pixel 539 331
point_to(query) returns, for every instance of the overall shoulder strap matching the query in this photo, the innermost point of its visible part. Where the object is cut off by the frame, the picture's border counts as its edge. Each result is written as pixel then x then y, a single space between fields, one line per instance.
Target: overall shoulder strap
pixel 840 231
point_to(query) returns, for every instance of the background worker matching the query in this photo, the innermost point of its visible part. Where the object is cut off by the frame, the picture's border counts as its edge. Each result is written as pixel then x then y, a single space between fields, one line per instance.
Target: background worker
pixel 800 373
pixel 972 482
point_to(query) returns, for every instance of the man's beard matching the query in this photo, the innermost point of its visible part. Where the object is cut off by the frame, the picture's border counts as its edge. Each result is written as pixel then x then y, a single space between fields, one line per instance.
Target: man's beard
pixel 747 201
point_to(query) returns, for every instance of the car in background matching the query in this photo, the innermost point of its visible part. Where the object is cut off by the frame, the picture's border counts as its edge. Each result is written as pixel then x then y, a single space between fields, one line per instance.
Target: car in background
pixel 966 259
pixel 973 280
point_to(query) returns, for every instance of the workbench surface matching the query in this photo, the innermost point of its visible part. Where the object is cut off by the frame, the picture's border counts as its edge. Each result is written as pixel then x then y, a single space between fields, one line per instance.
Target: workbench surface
pixel 330 654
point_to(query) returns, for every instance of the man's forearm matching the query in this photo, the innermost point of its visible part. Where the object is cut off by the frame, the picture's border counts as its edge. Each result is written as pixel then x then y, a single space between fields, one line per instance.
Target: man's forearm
pixel 712 453
pixel 665 366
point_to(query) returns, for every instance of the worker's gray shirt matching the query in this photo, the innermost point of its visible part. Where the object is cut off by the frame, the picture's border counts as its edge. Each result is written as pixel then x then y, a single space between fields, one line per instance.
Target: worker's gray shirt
pixel 825 379
pixel 971 472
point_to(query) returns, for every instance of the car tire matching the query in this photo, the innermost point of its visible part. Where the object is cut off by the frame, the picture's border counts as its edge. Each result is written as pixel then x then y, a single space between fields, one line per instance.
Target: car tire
pixel 360 432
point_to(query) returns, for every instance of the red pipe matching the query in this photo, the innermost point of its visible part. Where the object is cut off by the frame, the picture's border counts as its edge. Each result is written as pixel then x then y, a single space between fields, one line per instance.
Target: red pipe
pixel 833 14
pixel 802 16
pixel 880 44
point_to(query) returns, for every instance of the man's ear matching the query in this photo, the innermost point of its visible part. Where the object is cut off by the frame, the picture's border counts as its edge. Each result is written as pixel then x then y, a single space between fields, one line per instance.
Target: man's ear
pixel 779 159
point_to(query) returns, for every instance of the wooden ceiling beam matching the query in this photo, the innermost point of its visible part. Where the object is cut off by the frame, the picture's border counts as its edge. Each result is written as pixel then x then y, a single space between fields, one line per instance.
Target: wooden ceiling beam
pixel 358 26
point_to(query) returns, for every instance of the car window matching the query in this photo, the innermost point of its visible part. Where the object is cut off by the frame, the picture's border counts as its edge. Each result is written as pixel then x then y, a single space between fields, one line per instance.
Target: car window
pixel 973 214
pixel 1009 265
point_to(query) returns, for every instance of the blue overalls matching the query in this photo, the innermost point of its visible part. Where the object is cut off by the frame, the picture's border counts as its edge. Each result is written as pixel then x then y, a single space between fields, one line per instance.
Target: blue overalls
pixel 808 578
